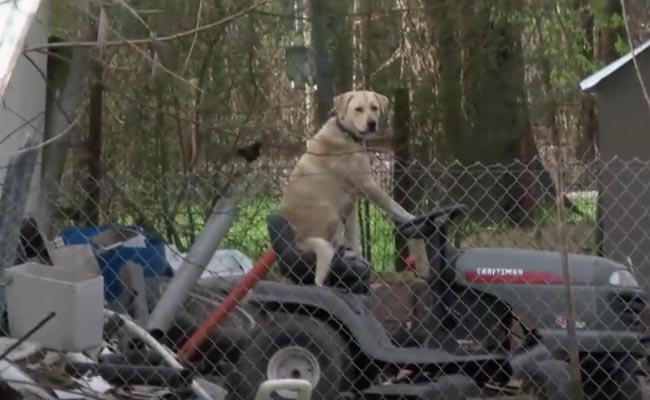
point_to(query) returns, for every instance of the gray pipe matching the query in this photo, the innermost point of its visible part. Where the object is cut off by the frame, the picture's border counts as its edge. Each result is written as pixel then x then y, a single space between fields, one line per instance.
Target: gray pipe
pixel 222 217
pixel 134 329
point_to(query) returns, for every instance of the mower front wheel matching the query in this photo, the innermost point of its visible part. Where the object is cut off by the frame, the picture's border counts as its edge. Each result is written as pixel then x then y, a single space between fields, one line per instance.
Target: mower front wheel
pixel 293 346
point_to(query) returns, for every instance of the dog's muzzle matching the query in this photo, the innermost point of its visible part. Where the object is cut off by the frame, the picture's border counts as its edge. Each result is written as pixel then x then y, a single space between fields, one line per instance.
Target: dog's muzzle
pixel 351 134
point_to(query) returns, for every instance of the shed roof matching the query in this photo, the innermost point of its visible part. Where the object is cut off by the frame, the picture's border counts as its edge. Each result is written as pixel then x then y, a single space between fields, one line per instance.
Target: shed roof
pixel 594 79
pixel 15 20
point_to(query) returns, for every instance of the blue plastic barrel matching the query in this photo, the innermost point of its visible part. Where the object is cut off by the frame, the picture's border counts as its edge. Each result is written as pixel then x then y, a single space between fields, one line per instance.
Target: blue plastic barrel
pixel 151 257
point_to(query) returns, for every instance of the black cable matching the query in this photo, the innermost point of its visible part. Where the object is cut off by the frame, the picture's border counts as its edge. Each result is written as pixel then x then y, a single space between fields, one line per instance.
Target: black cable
pixel 27 335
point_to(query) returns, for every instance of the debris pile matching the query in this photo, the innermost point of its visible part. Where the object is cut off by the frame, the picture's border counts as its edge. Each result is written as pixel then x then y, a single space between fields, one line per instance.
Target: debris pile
pixel 79 326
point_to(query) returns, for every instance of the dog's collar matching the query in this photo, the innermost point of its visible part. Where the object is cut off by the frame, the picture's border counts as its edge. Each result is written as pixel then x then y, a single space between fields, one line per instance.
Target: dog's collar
pixel 350 134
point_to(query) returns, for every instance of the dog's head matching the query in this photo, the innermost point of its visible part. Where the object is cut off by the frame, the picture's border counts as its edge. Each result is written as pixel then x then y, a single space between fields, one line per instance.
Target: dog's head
pixel 359 112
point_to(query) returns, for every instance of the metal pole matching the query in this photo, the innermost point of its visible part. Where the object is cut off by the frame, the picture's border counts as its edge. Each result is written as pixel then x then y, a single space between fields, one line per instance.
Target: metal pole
pixel 223 215
pixel 13 201
pixel 573 345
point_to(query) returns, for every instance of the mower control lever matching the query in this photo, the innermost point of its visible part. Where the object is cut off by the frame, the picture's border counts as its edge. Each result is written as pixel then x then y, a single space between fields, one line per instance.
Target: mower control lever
pixel 427 225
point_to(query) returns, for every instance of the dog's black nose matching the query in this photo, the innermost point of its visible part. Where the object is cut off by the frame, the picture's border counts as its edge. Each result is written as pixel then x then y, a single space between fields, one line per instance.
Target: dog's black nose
pixel 372 125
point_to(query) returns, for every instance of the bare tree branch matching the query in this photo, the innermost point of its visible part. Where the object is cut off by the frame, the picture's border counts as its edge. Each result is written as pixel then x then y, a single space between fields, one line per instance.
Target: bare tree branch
pixel 136 15
pixel 175 36
pixel 196 35
pixel 51 140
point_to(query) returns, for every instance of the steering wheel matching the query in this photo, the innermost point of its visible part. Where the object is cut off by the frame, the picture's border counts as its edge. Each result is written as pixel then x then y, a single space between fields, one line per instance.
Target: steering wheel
pixel 427 225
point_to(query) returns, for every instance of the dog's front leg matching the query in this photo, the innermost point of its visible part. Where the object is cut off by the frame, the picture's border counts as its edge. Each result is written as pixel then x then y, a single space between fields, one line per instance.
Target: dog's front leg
pixel 352 235
pixel 324 256
pixel 381 199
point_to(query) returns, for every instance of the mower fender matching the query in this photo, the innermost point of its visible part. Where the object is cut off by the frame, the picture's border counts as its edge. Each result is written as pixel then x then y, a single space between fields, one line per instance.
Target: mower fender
pixel 343 307
pixel 349 312
pixel 590 341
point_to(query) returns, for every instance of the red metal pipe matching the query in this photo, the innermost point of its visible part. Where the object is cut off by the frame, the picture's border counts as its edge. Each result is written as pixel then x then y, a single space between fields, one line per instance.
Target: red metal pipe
pixel 260 268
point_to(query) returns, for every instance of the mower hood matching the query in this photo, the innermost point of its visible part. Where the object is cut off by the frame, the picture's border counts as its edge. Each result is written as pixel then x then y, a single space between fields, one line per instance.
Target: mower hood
pixel 533 267
pixel 606 295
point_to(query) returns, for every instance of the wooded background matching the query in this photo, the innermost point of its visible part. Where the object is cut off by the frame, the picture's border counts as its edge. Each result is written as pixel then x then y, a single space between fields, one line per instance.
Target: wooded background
pixel 178 104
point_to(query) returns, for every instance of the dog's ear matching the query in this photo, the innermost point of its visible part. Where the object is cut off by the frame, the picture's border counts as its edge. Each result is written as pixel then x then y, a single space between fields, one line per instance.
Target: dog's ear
pixel 383 103
pixel 341 103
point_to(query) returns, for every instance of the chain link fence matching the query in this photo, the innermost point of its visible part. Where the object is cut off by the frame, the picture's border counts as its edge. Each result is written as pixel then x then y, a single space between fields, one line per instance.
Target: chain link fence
pixel 537 287
pixel 478 311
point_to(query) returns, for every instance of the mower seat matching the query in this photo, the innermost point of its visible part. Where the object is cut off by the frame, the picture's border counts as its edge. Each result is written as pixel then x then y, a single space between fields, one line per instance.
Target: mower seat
pixel 350 272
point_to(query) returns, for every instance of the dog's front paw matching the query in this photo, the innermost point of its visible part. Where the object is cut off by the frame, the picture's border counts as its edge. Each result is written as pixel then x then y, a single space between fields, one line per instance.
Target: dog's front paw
pixel 319 281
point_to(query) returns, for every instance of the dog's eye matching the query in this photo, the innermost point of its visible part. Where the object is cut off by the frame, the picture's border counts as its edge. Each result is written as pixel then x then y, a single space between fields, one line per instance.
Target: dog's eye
pixel 373 108
pixel 359 109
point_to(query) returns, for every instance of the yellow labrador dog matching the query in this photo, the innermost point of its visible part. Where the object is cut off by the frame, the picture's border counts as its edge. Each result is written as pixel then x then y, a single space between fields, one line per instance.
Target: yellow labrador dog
pixel 322 192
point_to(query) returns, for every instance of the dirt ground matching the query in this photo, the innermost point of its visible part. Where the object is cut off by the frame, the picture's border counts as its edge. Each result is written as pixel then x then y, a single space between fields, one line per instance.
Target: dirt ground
pixel 392 300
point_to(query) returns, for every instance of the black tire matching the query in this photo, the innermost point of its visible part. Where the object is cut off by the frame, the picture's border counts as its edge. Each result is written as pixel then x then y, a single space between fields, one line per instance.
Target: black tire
pixel 547 380
pixel 618 383
pixel 284 332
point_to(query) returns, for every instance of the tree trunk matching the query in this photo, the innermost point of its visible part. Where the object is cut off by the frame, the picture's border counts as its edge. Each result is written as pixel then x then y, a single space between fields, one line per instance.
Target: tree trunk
pixel 93 144
pixel 402 180
pixel 603 49
pixel 367 64
pixel 610 33
pixel 605 52
pixel 495 90
pixel 444 21
pixel 329 30
pixel 588 147
pixel 498 121
pixel 343 65
pixel 323 79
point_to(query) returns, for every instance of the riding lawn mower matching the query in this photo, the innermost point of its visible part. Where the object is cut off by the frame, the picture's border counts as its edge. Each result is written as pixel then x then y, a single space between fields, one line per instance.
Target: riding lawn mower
pixel 496 326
